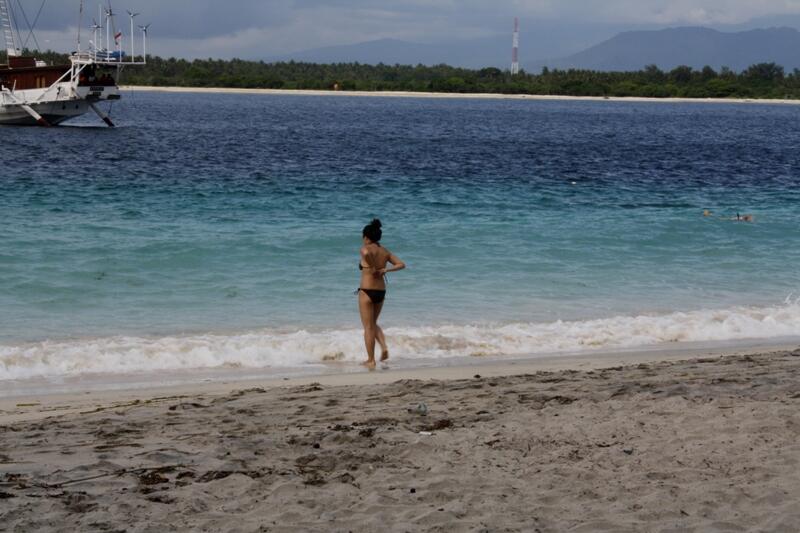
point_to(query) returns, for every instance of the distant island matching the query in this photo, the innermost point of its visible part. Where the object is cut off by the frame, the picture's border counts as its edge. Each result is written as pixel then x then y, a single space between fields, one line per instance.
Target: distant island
pixel 762 80
pixel 692 46
pixel 626 51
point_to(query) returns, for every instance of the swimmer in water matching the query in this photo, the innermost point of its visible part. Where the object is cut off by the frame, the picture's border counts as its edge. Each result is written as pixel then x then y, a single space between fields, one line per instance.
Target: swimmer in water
pixel 737 218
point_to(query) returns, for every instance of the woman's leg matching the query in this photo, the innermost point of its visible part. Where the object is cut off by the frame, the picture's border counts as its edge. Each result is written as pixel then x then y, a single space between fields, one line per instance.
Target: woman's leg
pixel 367 310
pixel 379 333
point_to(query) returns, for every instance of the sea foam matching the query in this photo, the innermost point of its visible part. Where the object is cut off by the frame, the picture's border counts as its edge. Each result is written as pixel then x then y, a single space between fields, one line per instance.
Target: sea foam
pixel 273 348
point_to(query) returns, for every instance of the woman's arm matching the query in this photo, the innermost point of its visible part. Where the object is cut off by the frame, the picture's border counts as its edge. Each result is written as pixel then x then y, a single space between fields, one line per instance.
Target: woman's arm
pixel 397 264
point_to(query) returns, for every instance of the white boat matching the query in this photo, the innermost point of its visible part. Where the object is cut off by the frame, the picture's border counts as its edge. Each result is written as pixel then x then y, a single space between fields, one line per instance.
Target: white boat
pixel 33 92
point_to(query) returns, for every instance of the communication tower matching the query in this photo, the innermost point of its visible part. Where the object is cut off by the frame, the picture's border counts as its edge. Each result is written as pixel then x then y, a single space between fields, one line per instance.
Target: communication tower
pixel 515 49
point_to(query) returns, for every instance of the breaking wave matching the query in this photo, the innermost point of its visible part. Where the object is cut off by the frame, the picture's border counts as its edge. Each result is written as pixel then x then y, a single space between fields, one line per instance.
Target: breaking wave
pixel 272 348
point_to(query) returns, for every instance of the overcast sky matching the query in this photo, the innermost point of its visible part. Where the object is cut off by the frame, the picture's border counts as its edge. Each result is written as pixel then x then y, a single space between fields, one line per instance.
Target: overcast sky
pixel 268 28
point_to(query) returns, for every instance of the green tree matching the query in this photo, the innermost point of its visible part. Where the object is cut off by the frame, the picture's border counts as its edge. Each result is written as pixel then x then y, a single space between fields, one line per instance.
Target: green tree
pixel 708 73
pixel 653 74
pixel 764 72
pixel 681 75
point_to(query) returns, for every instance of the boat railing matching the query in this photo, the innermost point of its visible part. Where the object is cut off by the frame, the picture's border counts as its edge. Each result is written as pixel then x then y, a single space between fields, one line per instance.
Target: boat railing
pixel 104 58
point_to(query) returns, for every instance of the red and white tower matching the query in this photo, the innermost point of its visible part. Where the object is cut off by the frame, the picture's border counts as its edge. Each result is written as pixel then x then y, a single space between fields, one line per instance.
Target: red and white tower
pixel 515 49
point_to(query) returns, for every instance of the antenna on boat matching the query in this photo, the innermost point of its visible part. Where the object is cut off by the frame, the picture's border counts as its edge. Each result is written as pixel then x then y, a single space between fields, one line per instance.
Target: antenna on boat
pixel 97 46
pixel 99 43
pixel 144 40
pixel 80 25
pixel 117 36
pixel 109 20
pixel 133 39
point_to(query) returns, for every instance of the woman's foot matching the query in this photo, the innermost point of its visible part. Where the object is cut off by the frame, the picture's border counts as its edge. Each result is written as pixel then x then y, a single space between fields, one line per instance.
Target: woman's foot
pixel 385 355
pixel 369 363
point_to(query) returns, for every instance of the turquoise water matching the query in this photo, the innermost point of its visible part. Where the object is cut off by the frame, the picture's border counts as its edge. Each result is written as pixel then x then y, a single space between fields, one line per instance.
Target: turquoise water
pixel 223 230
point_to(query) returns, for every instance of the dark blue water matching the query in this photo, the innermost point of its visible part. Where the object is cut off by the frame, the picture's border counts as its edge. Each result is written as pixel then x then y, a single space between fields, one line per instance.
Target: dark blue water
pixel 224 229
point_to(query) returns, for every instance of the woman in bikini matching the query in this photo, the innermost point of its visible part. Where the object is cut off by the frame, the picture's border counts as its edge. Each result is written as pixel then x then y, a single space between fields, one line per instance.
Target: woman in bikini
pixel 372 291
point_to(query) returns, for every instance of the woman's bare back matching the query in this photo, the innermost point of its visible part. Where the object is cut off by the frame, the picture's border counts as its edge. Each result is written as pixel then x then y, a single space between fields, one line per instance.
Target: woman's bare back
pixel 374 259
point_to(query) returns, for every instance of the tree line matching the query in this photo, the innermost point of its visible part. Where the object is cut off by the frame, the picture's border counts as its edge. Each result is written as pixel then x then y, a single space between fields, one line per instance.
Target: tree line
pixel 763 80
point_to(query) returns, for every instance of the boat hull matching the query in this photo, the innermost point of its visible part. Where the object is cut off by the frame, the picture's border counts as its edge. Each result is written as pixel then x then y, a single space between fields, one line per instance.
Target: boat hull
pixel 53 112
pixel 56 104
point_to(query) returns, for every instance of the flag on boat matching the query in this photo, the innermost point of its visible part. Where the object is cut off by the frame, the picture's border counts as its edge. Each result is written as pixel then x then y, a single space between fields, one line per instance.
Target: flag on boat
pixel 117 36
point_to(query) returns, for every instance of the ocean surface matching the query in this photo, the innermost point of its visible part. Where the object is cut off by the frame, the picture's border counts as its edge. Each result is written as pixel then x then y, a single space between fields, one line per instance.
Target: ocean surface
pixel 222 231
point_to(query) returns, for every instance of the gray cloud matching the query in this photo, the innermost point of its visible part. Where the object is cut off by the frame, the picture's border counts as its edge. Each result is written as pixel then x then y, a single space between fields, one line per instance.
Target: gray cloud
pixel 176 18
pixel 266 28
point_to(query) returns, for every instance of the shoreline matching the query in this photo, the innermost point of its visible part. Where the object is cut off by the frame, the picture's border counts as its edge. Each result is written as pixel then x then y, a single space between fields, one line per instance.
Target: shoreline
pixel 695 445
pixel 40 399
pixel 465 96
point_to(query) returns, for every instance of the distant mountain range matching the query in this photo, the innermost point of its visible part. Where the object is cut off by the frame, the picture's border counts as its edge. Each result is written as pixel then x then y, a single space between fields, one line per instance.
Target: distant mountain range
pixel 695 47
pixel 473 54
pixel 667 48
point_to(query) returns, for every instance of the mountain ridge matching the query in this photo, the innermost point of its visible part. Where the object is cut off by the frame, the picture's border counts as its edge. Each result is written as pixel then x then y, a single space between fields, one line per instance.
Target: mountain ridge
pixel 667 48
pixel 693 46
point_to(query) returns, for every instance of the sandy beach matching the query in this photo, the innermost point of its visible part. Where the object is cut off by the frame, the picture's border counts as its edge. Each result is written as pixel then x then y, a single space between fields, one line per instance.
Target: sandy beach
pixel 692 444
pixel 491 96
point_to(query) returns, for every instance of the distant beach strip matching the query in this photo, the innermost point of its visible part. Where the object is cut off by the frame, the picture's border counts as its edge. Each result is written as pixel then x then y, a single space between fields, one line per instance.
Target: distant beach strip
pixel 484 96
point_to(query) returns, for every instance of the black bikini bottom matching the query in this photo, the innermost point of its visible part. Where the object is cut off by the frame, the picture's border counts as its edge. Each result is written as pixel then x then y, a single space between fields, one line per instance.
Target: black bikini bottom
pixel 375 295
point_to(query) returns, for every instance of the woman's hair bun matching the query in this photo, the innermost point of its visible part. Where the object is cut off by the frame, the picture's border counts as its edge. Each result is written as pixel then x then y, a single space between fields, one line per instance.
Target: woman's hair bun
pixel 372 231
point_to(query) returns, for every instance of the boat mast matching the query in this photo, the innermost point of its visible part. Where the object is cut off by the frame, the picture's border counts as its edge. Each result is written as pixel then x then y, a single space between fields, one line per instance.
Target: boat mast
pixel 8 31
pixel 80 25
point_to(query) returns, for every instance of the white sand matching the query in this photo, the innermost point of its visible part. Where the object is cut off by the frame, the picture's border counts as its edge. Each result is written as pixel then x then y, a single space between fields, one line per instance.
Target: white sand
pixel 410 94
pixel 708 444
